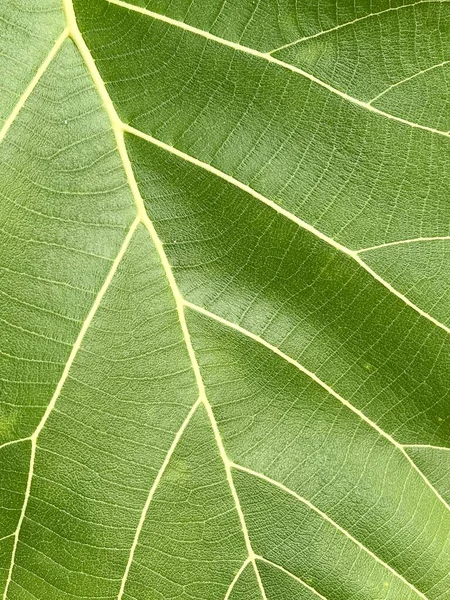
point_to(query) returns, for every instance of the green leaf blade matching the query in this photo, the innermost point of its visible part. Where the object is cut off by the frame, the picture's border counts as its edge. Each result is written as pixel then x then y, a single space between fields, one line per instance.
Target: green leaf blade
pixel 224 342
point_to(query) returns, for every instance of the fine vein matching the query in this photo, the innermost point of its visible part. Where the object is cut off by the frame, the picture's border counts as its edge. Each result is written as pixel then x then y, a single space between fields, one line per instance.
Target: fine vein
pixel 426 446
pixel 151 494
pixel 401 242
pixel 26 439
pixel 280 568
pixel 5 537
pixel 398 83
pixel 268 57
pixel 118 128
pixel 143 217
pixel 236 577
pixel 85 326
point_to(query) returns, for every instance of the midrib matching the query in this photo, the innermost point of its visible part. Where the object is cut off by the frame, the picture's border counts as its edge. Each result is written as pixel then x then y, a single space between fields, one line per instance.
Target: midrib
pixel 118 130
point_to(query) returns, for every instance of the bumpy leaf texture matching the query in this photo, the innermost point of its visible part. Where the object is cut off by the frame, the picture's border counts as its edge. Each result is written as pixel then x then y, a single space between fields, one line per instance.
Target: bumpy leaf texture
pixel 224 291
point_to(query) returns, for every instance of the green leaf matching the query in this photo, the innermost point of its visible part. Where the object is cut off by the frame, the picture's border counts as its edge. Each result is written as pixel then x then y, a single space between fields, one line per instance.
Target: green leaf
pixel 224 300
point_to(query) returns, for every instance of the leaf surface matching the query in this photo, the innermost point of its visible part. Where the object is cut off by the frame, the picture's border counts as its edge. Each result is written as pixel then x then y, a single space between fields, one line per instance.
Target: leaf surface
pixel 224 300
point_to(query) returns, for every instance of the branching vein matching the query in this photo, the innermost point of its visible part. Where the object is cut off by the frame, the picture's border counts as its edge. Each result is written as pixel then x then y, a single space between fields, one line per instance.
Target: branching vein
pixel 398 83
pixel 354 21
pixel 329 520
pixel 29 90
pixel 324 385
pixel 425 446
pixel 119 129
pixel 268 57
pixel 151 494
pixel 236 577
pixel 143 217
pixel 401 242
pixel 27 439
pixel 286 572
pixel 77 345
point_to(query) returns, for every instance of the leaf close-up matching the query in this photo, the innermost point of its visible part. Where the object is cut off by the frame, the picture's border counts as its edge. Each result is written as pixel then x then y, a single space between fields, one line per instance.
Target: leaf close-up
pixel 224 300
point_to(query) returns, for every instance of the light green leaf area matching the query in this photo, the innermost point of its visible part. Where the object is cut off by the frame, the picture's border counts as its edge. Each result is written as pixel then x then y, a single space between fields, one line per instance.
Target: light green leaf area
pixel 224 300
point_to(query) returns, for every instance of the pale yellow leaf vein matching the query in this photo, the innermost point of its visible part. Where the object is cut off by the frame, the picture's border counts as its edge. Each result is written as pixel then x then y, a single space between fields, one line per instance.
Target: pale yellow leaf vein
pixel 401 242
pixel 324 385
pixel 10 442
pixel 402 81
pixel 30 88
pixel 118 129
pixel 236 577
pixel 152 493
pixel 354 21
pixel 324 516
pixel 286 572
pixel 425 447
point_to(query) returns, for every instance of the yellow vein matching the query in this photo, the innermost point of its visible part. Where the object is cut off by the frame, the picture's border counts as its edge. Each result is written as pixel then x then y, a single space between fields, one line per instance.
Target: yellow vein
pixel 401 242
pixel 236 577
pixel 11 442
pixel 62 380
pixel 143 217
pixel 425 446
pixel 227 464
pixel 152 493
pixel 348 23
pixel 86 324
pixel 275 61
pixel 286 572
pixel 324 385
pixel 394 85
pixel 29 90
pixel 329 520
pixel 303 224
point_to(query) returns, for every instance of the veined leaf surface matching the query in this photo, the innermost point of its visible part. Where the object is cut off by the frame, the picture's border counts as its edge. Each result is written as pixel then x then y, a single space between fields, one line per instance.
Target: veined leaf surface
pixel 225 300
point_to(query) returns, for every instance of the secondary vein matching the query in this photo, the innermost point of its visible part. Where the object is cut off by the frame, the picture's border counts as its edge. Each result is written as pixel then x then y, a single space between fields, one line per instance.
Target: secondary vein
pixel 353 22
pixel 324 516
pixel 151 494
pixel 30 88
pixel 303 224
pixel 324 385
pixel 413 76
pixel 268 57
pixel 401 242
pixel 280 568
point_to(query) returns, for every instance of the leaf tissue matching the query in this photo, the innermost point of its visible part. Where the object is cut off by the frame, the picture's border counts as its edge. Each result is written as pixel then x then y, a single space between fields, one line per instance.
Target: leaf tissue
pixel 224 300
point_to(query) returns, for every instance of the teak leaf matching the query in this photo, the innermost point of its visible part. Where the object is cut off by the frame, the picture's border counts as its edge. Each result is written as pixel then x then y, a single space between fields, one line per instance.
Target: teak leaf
pixel 224 300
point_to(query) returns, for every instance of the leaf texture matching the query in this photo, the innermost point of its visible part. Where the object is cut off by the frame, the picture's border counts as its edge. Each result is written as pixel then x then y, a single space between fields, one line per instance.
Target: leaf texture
pixel 224 298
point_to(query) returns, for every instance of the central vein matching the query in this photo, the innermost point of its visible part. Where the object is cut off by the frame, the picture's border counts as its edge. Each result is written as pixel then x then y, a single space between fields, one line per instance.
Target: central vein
pixel 118 130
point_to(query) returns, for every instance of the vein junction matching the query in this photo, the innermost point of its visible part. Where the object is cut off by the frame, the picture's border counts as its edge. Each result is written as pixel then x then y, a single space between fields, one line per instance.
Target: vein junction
pixel 119 129
pixel 353 22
